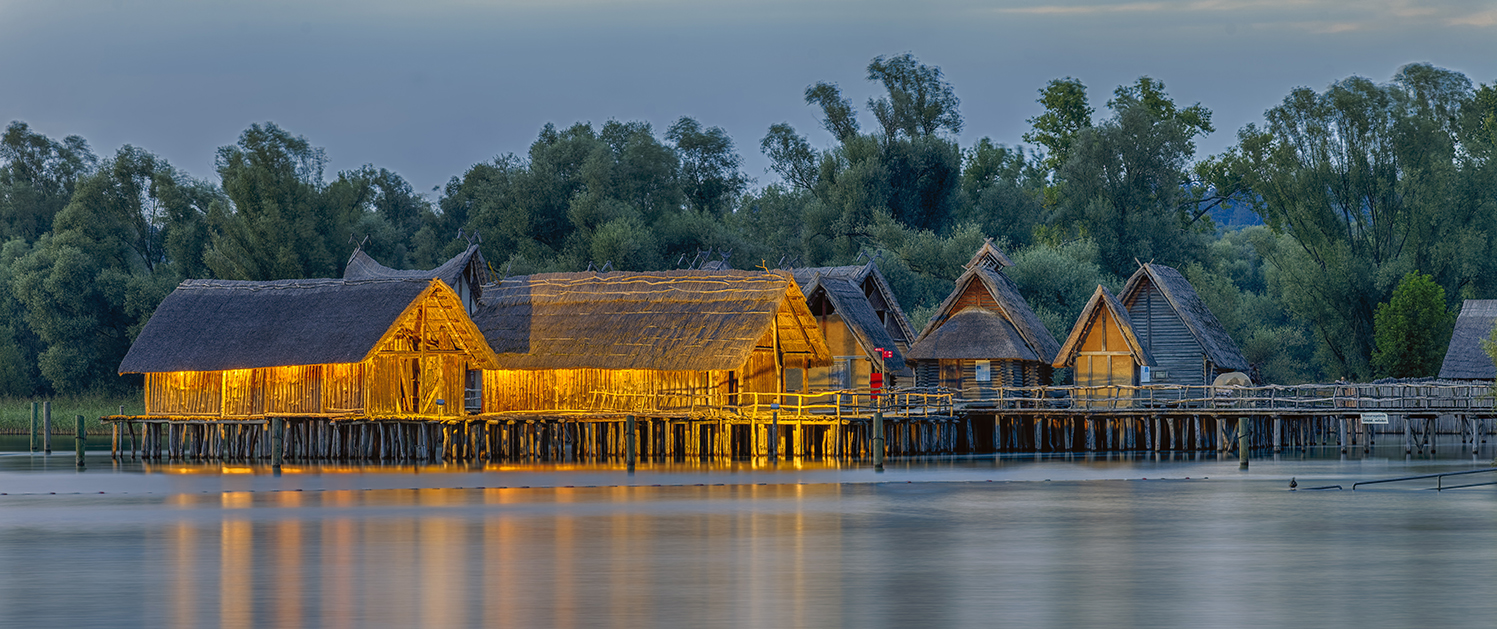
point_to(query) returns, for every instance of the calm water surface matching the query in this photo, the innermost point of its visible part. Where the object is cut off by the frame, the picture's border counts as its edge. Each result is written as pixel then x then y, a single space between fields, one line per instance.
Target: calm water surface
pixel 977 541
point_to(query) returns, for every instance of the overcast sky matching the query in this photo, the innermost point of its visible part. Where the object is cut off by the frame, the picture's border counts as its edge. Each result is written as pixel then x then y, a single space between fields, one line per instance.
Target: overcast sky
pixel 429 88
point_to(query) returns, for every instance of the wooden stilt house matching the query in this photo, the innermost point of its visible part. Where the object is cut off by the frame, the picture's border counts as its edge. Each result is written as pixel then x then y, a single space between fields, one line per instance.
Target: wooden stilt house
pixel 1464 358
pixel 983 337
pixel 1104 352
pixel 858 315
pixel 662 342
pixel 466 273
pixel 1189 344
pixel 394 348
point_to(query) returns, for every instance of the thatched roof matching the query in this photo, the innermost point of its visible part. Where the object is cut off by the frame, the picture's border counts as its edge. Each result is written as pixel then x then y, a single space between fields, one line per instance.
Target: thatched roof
pixel 1465 359
pixel 973 333
pixel 852 305
pixel 670 320
pixel 858 275
pixel 1182 297
pixel 362 267
pixel 211 325
pixel 1024 330
pixel 1102 300
pixel 989 255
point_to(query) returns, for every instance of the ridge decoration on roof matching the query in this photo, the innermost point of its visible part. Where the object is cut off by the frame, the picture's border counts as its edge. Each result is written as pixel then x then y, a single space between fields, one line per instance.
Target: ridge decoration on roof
pixel 1198 319
pixel 213 325
pixel 989 255
pixel 362 267
pixel 1020 318
pixel 1102 299
pixel 685 320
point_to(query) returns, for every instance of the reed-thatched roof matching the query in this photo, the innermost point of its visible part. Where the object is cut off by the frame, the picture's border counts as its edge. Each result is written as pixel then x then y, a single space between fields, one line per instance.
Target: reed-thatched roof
pixel 362 267
pixel 1465 359
pixel 858 275
pixel 976 334
pixel 1024 329
pixel 688 320
pixel 1102 300
pixel 1182 297
pixel 212 325
pixel 852 305
pixel 989 255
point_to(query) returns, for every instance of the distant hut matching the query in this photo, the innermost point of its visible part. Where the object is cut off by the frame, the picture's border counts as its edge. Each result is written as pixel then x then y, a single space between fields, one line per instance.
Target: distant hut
pixel 1188 343
pixel 466 273
pixel 858 314
pixel 1465 359
pixel 309 348
pixel 984 335
pixel 1104 349
pixel 660 341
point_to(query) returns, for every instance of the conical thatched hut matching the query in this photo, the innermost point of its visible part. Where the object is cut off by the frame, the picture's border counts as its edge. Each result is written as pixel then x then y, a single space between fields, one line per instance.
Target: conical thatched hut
pixel 647 342
pixel 466 273
pixel 983 337
pixel 858 315
pixel 1465 359
pixel 309 348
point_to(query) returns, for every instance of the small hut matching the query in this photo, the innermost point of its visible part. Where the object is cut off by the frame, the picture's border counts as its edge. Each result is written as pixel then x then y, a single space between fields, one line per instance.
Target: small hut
pixel 466 273
pixel 984 336
pixel 1189 344
pixel 858 315
pixel 1103 350
pixel 1465 359
pixel 647 342
pixel 989 255
pixel 309 348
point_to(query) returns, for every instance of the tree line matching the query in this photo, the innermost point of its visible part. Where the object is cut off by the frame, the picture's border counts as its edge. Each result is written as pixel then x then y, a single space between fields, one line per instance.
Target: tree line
pixel 1376 207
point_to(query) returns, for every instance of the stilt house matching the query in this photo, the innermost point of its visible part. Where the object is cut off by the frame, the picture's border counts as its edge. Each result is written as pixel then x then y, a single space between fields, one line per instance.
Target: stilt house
pixel 672 341
pixel 858 314
pixel 1465 359
pixel 1103 350
pixel 466 273
pixel 1189 344
pixel 984 336
pixel 388 348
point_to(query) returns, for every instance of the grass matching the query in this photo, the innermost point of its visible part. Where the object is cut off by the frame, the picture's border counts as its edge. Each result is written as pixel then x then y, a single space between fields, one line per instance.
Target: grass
pixel 15 413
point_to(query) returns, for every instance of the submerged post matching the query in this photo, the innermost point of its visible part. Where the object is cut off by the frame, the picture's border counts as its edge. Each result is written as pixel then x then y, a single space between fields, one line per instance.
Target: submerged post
pixel 629 442
pixel 774 432
pixel 79 440
pixel 277 435
pixel 34 427
pixel 878 441
pixel 47 427
pixel 1242 442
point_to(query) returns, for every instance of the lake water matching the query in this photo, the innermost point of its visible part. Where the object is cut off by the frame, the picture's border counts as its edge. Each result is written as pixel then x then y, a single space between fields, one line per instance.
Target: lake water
pixel 1026 541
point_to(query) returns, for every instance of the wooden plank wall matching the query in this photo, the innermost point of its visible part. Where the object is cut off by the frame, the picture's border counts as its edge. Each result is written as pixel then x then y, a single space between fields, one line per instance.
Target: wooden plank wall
pixel 1176 352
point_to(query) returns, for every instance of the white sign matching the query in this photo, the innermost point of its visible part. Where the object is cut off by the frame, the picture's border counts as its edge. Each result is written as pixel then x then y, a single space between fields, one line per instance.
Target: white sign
pixel 1144 375
pixel 984 371
pixel 1375 418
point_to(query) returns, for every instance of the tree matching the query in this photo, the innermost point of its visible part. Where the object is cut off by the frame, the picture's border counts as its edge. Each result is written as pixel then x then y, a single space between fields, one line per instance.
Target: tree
pixel 790 156
pixel 1066 114
pixel 37 176
pixel 710 176
pixel 919 102
pixel 1002 190
pixel 1413 329
pixel 838 116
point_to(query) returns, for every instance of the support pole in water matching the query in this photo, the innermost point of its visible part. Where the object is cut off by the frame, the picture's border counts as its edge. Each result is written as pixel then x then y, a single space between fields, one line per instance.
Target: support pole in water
pixel 47 427
pixel 80 439
pixel 277 436
pixel 878 441
pixel 35 427
pixel 774 432
pixel 629 442
pixel 1242 442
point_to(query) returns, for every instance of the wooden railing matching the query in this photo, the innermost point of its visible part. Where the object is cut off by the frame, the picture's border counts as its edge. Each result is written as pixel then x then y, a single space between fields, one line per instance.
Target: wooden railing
pixel 1322 398
pixel 835 404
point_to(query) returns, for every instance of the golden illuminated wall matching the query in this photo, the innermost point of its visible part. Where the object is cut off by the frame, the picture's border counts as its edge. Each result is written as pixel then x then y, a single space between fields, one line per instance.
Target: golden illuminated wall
pixel 599 389
pixel 184 393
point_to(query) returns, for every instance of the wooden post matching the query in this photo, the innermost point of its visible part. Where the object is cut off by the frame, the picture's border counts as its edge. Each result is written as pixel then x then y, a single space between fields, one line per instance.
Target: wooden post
pixel 629 442
pixel 277 436
pixel 878 441
pixel 34 427
pixel 774 432
pixel 47 427
pixel 80 438
pixel 1242 442
pixel 1278 433
pixel 1343 434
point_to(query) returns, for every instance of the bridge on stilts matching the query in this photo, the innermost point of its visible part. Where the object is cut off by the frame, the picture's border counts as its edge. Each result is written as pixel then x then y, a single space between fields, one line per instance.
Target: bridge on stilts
pixel 842 424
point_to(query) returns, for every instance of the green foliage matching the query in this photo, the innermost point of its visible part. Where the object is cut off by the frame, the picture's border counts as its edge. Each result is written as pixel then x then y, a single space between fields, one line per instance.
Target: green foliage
pixel 1066 114
pixel 37 177
pixel 1413 329
pixel 1058 280
pixel 919 102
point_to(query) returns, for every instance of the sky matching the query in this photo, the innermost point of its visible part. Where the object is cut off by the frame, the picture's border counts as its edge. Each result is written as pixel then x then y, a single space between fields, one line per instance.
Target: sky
pixel 429 88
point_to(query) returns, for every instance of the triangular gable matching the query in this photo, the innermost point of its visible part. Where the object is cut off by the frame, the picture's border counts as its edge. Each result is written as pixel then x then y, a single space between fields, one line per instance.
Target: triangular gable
pixel 984 287
pixel 1193 313
pixel 1102 301
pixel 867 274
pixel 989 255
pixel 445 309
pixel 859 316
